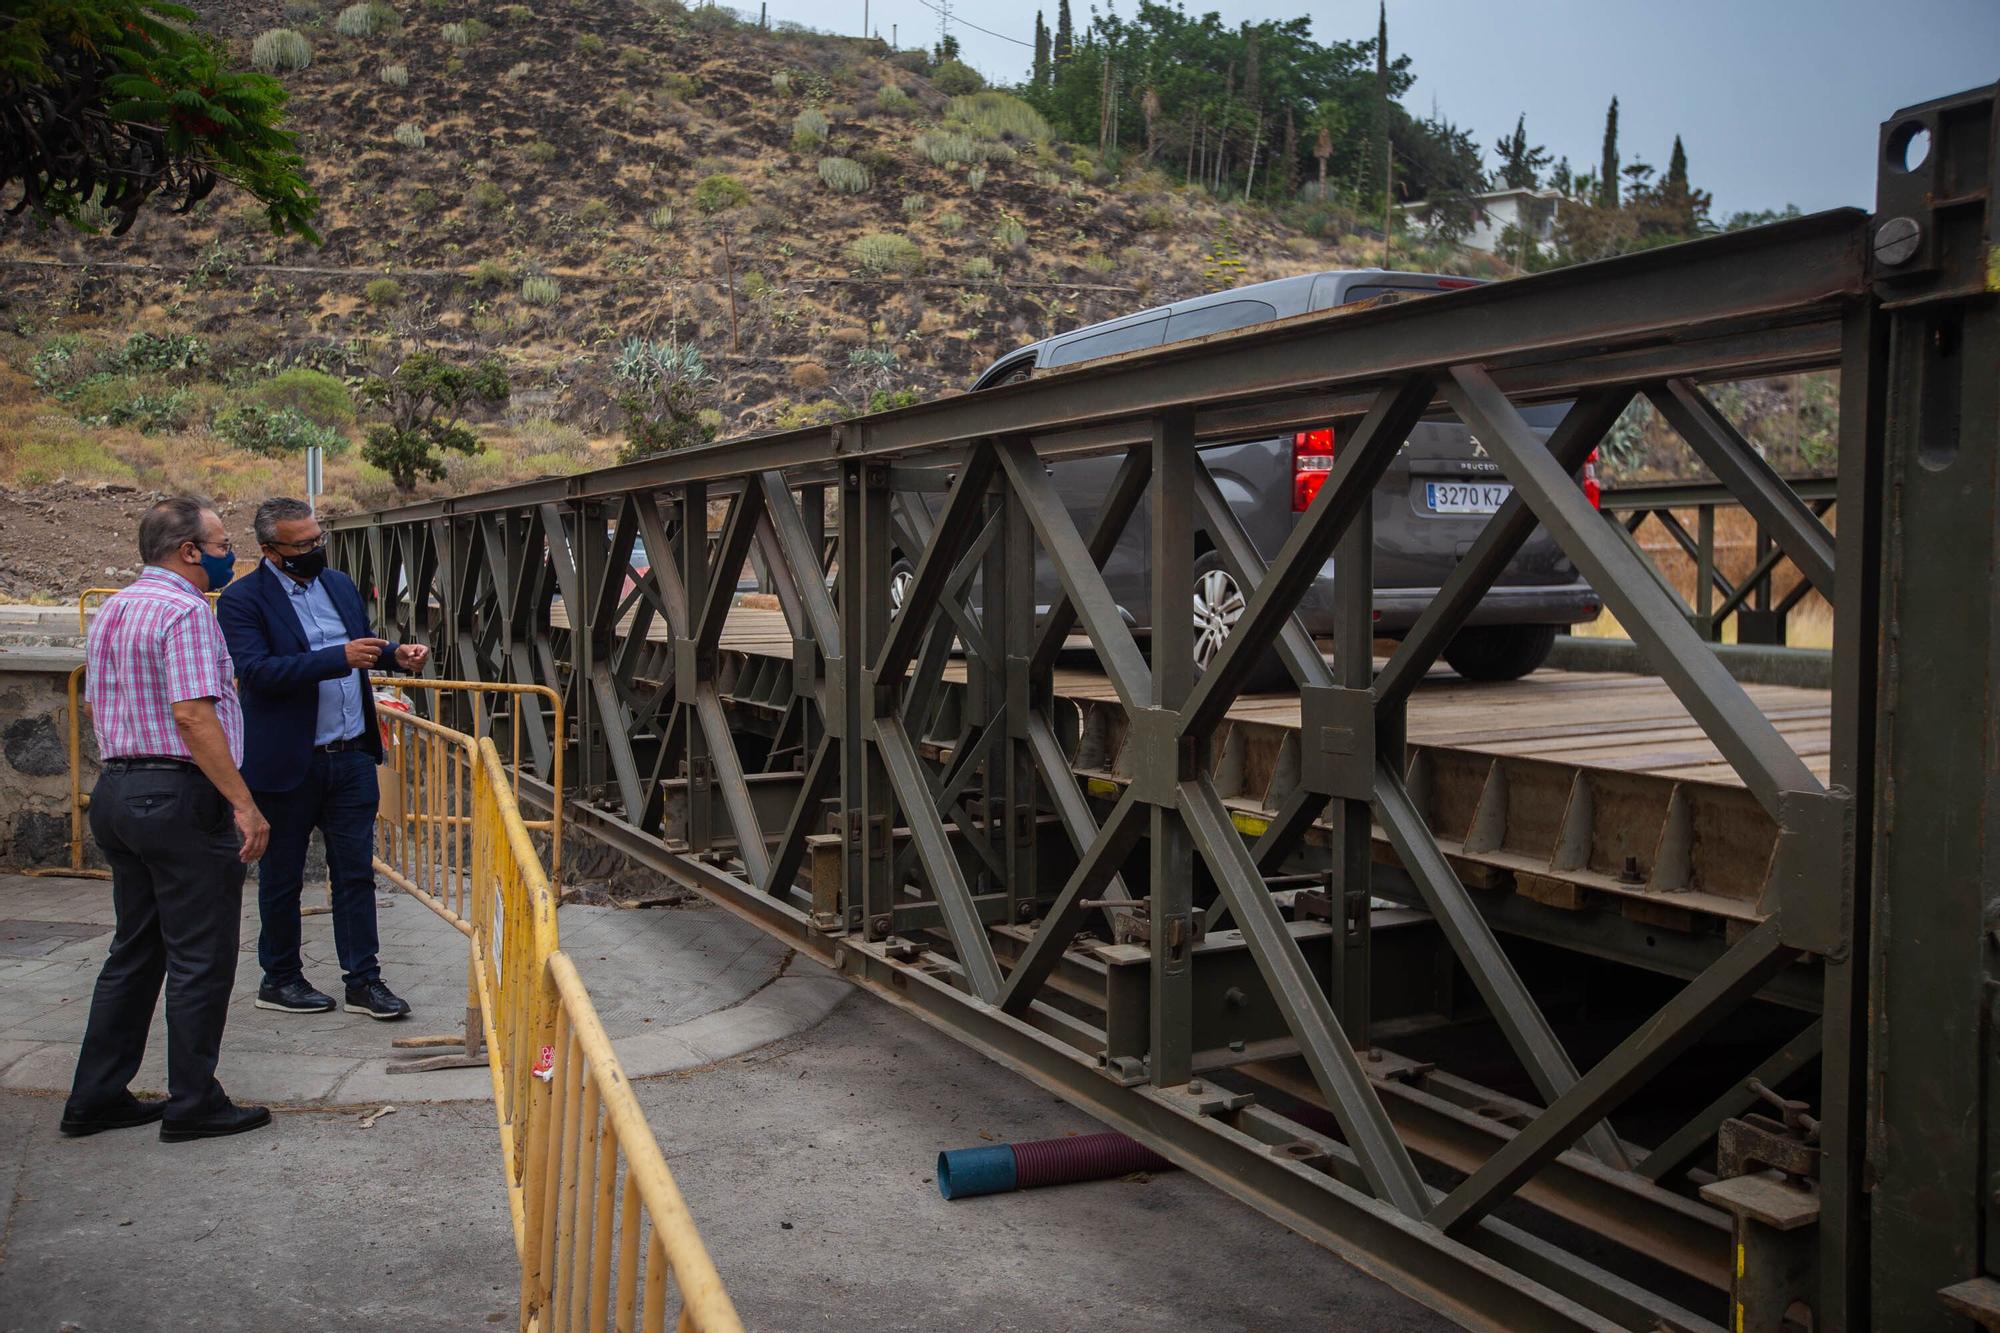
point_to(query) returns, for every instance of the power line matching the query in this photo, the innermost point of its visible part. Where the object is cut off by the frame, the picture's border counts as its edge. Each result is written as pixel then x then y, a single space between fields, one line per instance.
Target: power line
pixel 953 18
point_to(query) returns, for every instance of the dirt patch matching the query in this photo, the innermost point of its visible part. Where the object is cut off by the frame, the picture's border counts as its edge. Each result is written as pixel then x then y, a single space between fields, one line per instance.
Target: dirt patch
pixel 57 540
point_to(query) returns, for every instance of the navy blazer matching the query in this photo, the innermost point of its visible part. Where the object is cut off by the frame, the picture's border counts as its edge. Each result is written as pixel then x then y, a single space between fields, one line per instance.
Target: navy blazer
pixel 278 675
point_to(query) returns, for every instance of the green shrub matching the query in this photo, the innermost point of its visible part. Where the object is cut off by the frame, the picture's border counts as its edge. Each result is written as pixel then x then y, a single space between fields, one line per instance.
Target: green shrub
pixel 953 77
pixel 163 353
pixel 424 202
pixel 364 19
pixel 275 432
pixel 1156 217
pixel 537 289
pixel 1010 234
pixel 947 148
pixel 665 388
pixel 1101 266
pixel 590 44
pixel 319 397
pixel 517 71
pixel 540 151
pixel 975 179
pixel 410 134
pixel 996 115
pixel 469 33
pixel 633 57
pixel 594 213
pixel 719 193
pixel 882 252
pixel 515 14
pixel 486 197
pixel 396 76
pixel 915 206
pixel 809 129
pixel 383 292
pixel 980 269
pixel 1049 180
pixel 678 87
pixel 781 84
pixel 951 224
pixel 281 48
pixel 39 462
pixel 843 175
pixel 888 400
pixel 142 402
pixel 661 219
pixel 893 98
pixel 490 274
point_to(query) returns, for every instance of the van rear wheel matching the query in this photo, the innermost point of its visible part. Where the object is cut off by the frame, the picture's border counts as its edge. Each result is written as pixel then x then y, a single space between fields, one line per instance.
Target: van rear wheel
pixel 1218 603
pixel 1499 652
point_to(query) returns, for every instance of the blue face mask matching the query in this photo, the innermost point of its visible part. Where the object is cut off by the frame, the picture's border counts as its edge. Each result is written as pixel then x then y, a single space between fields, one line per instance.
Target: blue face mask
pixel 220 568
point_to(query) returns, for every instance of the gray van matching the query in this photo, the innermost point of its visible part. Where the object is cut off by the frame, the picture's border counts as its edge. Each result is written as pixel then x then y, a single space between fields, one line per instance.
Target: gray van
pixel 1430 506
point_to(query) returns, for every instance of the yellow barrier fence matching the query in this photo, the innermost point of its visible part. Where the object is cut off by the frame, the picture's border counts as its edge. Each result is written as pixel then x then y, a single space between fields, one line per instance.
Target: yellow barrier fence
pixel 600 1227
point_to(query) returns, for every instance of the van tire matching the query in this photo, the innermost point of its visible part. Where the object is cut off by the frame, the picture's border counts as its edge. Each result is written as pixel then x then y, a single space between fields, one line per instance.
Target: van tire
pixel 1268 674
pixel 1499 652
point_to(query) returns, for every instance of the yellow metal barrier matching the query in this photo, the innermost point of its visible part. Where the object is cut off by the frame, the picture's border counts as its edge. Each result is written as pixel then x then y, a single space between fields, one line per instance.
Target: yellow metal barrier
pixel 600 1227
pixel 517 696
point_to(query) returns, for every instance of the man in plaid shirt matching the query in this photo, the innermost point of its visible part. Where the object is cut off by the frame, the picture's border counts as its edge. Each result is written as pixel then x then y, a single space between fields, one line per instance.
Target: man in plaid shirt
pixel 173 817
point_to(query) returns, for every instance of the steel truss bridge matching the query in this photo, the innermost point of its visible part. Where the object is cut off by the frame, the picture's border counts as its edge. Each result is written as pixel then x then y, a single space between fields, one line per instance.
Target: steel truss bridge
pixel 1676 1017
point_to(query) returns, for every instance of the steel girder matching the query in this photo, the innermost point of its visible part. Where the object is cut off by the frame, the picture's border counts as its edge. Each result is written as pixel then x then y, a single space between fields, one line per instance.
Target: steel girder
pixel 940 848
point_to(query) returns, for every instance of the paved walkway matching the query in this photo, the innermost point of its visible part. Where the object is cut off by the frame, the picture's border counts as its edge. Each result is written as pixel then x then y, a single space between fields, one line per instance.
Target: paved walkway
pixel 676 989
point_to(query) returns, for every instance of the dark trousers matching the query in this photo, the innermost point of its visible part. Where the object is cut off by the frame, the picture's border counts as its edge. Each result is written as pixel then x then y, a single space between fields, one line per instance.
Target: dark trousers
pixel 337 797
pixel 178 890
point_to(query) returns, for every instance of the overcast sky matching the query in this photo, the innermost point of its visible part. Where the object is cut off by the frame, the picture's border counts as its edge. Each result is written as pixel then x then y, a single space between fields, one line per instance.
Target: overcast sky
pixel 1777 101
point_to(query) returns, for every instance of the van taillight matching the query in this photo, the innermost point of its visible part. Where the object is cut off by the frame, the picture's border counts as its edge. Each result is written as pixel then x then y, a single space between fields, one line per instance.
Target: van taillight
pixel 1312 459
pixel 1591 490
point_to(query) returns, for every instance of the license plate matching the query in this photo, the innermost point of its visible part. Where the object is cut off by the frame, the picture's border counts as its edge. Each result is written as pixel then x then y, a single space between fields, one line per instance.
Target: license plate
pixel 1465 497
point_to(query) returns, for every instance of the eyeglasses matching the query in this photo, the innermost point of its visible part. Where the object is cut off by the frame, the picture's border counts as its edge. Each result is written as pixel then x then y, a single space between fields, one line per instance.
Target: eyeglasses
pixel 228 546
pixel 299 548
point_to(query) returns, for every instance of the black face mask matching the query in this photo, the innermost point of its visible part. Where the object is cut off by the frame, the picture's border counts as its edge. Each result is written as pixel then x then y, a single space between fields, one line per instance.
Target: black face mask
pixel 308 566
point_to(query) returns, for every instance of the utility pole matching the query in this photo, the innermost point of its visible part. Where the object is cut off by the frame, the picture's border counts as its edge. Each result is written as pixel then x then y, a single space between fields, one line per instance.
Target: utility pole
pixel 1388 145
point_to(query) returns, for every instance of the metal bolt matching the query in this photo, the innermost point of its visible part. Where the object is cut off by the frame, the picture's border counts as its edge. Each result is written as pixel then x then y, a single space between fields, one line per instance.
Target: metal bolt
pixel 1896 240
pixel 880 925
pixel 1194 1085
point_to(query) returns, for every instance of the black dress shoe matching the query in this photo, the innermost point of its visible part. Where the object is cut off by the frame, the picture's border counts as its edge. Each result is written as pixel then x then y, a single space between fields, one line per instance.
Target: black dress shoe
pixel 128 1114
pixel 376 1000
pixel 294 997
pixel 231 1119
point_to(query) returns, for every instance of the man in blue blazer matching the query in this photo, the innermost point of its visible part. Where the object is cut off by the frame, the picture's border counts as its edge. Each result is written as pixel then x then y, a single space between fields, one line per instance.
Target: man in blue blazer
pixel 299 636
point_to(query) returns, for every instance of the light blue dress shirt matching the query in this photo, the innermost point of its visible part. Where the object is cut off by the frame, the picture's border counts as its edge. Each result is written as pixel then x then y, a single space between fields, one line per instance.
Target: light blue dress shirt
pixel 339 698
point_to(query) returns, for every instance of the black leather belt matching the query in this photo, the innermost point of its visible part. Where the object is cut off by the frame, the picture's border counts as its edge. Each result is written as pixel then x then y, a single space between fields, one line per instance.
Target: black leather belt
pixel 351 743
pixel 127 762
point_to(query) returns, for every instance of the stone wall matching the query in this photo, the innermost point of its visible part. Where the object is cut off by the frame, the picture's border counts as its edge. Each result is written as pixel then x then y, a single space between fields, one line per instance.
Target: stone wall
pixel 34 758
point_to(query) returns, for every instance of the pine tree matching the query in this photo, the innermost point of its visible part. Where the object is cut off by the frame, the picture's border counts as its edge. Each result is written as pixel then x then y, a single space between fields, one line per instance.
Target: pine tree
pixel 1677 169
pixel 1065 42
pixel 1382 98
pixel 1041 52
pixel 1607 171
pixel 1520 164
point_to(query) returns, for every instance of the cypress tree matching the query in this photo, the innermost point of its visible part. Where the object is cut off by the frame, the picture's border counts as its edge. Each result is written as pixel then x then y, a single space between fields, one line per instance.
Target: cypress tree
pixel 1041 52
pixel 1607 170
pixel 1677 171
pixel 1065 34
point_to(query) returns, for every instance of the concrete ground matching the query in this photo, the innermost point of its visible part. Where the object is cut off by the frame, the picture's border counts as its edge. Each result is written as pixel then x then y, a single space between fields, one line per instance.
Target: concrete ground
pixel 801 1118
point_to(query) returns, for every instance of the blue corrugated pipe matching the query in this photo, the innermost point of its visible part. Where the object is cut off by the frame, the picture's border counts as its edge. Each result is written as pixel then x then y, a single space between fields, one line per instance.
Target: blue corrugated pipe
pixel 965 1173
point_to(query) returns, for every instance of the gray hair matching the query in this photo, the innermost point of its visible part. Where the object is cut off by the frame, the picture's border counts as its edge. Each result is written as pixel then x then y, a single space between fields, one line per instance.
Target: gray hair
pixel 167 524
pixel 278 509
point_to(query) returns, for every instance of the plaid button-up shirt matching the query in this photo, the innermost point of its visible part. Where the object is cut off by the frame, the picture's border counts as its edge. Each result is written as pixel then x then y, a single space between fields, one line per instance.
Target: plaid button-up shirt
pixel 151 646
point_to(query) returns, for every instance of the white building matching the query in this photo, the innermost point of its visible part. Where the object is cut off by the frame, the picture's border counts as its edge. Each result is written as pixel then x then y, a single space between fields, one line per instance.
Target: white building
pixel 1532 212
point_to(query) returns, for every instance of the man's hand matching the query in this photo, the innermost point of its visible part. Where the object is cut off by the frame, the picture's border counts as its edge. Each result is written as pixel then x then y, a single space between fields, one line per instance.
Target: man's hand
pixel 256 831
pixel 365 653
pixel 412 656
